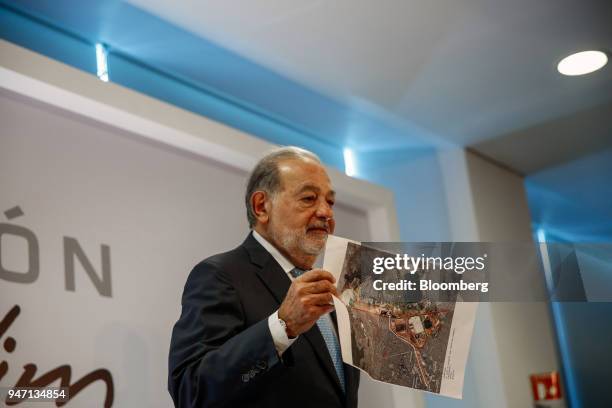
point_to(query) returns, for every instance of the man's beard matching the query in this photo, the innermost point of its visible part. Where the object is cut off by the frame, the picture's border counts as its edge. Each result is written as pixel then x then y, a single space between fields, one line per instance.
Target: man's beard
pixel 297 239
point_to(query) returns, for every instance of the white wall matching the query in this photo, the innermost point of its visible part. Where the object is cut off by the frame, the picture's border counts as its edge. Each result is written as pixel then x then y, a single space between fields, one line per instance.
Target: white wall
pixel 511 340
pixel 159 210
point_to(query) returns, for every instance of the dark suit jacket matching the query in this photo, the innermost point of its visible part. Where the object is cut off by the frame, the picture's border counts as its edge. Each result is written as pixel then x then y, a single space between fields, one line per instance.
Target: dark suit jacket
pixel 222 353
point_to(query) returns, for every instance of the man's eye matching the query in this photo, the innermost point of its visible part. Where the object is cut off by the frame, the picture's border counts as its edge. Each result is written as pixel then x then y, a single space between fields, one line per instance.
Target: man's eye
pixel 331 203
pixel 308 198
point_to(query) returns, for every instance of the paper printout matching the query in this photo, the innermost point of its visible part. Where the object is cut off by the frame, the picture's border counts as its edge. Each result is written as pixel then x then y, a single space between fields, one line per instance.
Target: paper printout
pixel 393 336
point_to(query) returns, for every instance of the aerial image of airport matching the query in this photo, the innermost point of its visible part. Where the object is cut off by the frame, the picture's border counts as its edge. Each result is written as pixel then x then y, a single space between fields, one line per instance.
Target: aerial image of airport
pixel 397 336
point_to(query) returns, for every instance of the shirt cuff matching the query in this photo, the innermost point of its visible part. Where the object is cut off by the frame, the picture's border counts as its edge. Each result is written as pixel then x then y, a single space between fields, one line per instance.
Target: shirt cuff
pixel 279 335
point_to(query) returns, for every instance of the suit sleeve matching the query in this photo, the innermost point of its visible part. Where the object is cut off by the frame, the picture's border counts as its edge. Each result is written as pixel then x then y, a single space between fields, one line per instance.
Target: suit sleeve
pixel 213 356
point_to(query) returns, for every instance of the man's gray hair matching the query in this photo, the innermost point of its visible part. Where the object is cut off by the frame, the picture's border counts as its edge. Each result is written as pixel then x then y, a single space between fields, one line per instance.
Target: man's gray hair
pixel 266 176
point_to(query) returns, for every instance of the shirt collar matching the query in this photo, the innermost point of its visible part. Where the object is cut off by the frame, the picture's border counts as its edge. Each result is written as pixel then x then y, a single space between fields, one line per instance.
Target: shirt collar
pixel 278 257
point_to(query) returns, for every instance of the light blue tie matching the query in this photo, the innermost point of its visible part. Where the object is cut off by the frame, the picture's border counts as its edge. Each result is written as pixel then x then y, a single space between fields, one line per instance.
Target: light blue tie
pixel 326 327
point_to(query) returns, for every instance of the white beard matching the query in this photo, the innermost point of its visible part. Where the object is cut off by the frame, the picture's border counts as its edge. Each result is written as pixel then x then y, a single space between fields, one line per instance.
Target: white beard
pixel 289 239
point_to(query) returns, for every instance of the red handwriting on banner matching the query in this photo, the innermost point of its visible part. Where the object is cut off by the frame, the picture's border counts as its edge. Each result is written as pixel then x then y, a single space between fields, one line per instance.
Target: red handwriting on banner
pixel 62 373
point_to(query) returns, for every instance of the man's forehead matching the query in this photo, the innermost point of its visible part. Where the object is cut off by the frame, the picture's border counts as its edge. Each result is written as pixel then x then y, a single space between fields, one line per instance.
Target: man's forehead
pixel 303 175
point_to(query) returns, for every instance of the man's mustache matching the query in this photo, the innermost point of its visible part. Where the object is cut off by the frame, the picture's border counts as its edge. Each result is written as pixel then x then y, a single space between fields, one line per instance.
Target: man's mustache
pixel 324 226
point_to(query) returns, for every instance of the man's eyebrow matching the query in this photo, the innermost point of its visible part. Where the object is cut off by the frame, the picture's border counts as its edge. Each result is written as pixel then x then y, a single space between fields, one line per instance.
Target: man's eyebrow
pixel 316 189
pixel 308 187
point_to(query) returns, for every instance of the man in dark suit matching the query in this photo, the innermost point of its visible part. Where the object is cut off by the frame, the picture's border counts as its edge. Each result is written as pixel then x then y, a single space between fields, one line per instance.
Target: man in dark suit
pixel 256 328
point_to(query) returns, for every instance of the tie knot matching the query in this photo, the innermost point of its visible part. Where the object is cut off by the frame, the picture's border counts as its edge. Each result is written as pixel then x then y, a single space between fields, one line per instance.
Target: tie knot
pixel 295 272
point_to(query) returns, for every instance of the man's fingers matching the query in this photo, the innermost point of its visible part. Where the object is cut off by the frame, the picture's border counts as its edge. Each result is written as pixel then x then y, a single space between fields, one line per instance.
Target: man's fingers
pixel 321 286
pixel 318 299
pixel 316 275
pixel 326 309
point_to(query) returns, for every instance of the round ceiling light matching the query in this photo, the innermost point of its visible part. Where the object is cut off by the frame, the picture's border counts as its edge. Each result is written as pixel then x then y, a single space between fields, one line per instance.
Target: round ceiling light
pixel 582 63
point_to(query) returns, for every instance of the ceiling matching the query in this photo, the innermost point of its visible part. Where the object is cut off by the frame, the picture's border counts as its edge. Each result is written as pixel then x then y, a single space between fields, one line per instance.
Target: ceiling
pixel 390 79
pixel 471 72
pixel 375 76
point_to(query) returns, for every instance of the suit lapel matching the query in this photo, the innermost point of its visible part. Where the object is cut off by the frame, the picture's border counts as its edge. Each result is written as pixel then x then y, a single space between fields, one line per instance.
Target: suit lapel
pixel 269 271
pixel 277 282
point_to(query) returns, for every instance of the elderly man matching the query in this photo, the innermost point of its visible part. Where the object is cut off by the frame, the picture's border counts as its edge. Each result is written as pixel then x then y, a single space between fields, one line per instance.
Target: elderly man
pixel 256 328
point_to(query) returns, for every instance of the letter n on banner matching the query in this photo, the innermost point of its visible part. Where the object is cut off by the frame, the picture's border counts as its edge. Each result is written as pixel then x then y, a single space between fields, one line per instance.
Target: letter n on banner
pixel 73 250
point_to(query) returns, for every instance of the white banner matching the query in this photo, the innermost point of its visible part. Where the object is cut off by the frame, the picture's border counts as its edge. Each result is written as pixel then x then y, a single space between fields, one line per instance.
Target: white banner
pixel 98 231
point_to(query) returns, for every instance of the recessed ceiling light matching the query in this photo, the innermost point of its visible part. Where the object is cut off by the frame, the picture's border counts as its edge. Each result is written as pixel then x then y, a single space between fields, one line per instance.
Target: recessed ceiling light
pixel 582 63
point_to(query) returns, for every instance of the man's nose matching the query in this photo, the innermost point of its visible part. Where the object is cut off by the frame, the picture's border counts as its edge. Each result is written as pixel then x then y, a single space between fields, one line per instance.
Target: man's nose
pixel 324 210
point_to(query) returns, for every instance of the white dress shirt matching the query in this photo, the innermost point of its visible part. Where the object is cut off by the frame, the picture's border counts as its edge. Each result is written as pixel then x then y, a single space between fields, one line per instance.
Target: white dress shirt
pixel 279 335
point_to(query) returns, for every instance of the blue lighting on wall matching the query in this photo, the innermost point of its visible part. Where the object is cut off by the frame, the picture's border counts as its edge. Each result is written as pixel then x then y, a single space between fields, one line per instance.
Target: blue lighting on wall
pixel 569 371
pixel 217 84
pixel 571 203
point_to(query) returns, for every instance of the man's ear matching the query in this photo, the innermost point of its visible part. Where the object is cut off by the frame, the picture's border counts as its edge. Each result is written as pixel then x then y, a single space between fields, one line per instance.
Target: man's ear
pixel 260 203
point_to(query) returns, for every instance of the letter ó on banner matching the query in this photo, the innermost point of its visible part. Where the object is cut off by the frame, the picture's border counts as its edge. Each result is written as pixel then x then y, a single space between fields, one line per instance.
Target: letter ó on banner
pixel 72 250
pixel 33 261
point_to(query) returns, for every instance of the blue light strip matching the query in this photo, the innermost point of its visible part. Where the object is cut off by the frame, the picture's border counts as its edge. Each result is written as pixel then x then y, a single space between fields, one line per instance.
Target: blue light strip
pixel 101 62
pixel 568 370
pixel 349 162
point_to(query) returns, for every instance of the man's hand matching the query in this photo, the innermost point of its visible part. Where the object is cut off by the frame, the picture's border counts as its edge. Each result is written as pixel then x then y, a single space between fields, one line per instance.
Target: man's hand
pixel 309 297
